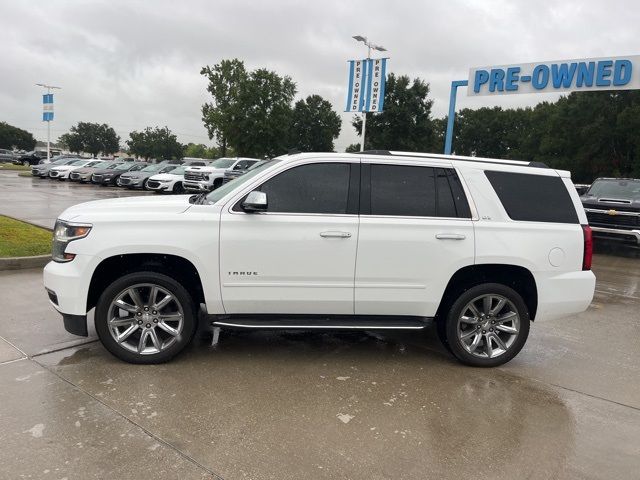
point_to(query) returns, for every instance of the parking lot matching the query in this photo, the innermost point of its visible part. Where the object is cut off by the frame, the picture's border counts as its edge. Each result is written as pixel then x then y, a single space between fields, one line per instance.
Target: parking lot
pixel 306 405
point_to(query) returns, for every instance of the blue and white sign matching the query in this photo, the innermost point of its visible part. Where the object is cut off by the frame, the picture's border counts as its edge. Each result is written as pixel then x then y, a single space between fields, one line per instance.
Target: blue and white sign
pixel 367 80
pixel 355 97
pixel 606 73
pixel 47 107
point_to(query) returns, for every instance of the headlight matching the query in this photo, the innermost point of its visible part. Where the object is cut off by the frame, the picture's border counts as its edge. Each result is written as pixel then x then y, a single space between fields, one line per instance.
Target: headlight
pixel 63 233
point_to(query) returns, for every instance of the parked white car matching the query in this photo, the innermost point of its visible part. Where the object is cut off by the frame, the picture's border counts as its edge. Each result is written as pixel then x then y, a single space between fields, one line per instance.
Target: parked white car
pixel 170 182
pixel 62 172
pixel 480 246
pixel 210 177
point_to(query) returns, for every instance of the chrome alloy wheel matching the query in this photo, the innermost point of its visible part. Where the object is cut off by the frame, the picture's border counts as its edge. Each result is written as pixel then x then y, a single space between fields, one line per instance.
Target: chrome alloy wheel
pixel 488 326
pixel 145 319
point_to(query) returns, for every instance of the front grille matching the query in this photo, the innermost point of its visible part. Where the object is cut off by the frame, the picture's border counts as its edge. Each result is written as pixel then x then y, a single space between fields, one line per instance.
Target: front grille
pixel 616 221
pixel 96 178
pixel 53 174
pixel 194 176
pixel 153 184
pixel 52 296
pixel 74 176
pixel 124 181
pixel 35 171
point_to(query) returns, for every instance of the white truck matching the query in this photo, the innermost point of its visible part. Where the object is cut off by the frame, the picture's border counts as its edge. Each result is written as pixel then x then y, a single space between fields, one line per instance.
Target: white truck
pixel 384 240
pixel 210 177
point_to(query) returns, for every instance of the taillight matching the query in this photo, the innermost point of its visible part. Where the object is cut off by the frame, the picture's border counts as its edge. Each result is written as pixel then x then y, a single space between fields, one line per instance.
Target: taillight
pixel 588 247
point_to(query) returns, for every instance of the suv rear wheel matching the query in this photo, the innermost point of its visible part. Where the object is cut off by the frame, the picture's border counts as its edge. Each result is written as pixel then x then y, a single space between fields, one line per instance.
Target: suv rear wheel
pixel 487 325
pixel 145 317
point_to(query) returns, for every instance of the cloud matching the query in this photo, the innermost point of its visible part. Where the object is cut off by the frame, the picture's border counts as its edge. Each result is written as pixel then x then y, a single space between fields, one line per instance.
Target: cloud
pixel 134 64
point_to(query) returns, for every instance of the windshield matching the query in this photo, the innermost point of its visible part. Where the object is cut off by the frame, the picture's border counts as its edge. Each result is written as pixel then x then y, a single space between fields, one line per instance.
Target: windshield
pixel 124 166
pixel 79 162
pixel 153 168
pixel 177 171
pixel 615 189
pixel 222 163
pixel 102 165
pixel 220 192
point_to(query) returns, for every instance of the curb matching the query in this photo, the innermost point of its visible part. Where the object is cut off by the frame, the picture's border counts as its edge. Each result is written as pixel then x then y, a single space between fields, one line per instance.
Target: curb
pixel 20 263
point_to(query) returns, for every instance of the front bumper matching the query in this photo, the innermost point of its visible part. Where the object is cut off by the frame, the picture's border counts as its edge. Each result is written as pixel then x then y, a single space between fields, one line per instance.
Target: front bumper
pixel 630 236
pixel 197 186
pixel 67 285
pixel 159 186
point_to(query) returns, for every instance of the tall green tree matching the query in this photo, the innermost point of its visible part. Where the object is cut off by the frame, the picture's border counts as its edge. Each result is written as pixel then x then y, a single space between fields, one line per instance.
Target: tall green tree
pixel 226 81
pixel 251 111
pixel 314 125
pixel 158 143
pixel 14 137
pixel 405 123
pixel 200 150
pixel 93 138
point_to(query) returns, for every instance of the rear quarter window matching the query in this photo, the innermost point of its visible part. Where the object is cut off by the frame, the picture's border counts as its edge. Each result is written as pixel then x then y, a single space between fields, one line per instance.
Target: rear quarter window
pixel 533 198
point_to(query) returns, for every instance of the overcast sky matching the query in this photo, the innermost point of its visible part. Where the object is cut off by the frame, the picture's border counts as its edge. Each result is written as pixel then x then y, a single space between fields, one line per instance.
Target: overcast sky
pixel 133 64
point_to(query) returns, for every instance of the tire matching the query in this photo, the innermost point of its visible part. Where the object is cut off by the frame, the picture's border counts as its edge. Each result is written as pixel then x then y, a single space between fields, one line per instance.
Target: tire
pixel 509 323
pixel 160 346
pixel 217 183
pixel 144 184
pixel 177 188
pixel 26 163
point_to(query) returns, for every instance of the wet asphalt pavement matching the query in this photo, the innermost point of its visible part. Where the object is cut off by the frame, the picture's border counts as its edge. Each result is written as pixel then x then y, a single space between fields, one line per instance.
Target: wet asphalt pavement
pixel 306 405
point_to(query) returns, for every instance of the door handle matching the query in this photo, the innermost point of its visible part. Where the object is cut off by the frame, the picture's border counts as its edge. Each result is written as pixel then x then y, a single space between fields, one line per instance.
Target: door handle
pixel 335 234
pixel 450 236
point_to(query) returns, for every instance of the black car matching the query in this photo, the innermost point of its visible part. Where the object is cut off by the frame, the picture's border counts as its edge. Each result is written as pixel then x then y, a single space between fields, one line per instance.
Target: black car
pixel 109 176
pixel 612 206
pixel 35 157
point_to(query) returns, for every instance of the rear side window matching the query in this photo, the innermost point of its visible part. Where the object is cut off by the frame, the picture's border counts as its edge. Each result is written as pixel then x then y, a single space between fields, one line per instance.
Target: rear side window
pixel 533 198
pixel 402 190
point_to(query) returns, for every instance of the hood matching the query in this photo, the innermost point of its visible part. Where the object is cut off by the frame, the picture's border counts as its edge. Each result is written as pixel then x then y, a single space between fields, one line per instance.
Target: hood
pixel 62 168
pixel 102 171
pixel 609 203
pixel 120 209
pixel 206 169
pixel 86 170
pixel 137 174
pixel 166 176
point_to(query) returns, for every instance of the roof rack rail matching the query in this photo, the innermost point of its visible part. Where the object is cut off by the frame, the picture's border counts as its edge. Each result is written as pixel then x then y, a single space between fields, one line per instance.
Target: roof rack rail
pixel 454 157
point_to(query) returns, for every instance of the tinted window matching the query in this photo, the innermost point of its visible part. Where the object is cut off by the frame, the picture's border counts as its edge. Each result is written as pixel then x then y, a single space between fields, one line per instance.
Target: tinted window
pixel 315 188
pixel 533 198
pixel 403 191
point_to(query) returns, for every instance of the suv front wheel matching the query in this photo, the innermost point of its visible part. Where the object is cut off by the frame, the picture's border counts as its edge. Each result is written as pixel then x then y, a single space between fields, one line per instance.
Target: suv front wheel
pixel 487 325
pixel 145 317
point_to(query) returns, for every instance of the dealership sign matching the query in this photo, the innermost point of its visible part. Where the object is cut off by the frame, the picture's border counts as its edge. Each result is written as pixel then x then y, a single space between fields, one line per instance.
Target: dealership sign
pixel 607 73
pixel 366 85
pixel 47 107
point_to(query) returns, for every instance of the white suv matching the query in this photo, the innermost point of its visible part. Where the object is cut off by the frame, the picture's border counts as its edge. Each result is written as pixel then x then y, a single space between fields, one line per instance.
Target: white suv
pixel 210 177
pixel 383 240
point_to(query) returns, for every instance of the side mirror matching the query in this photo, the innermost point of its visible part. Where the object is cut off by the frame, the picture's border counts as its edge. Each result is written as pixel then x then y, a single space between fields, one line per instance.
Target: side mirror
pixel 255 202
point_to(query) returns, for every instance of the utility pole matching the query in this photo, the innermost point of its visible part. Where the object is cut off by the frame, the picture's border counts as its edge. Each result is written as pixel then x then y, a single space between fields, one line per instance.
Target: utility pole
pixel 49 88
pixel 380 48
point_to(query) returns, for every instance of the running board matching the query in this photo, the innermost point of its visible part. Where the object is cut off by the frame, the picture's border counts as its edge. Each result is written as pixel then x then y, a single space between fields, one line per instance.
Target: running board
pixel 319 322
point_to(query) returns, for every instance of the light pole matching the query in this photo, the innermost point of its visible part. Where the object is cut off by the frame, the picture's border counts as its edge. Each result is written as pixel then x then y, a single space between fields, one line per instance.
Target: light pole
pixel 49 88
pixel 370 46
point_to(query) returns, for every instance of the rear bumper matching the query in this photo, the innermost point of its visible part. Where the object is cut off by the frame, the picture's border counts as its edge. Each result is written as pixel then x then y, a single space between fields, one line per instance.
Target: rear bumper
pixel 617 234
pixel 565 294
